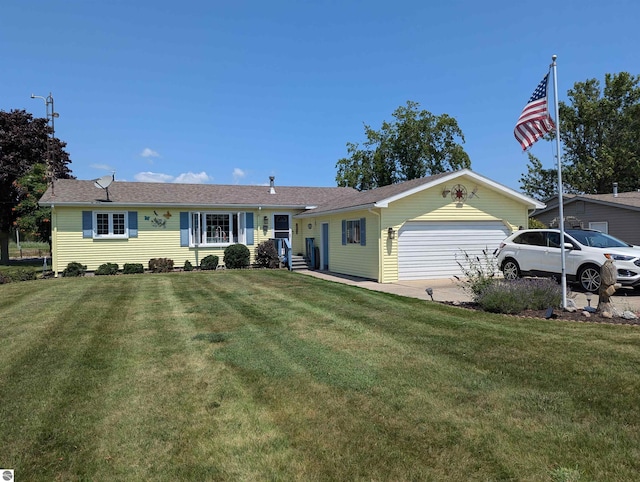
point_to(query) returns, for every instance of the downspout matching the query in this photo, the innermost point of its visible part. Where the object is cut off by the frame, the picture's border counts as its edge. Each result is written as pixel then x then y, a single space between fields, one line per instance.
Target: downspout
pixel 380 252
pixel 54 241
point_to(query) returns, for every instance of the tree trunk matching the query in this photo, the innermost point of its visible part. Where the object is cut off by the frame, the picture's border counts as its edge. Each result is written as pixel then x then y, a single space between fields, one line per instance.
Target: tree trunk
pixel 4 248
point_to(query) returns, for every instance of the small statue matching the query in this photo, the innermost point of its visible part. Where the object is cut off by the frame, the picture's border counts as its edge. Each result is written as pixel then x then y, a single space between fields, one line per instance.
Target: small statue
pixel 608 286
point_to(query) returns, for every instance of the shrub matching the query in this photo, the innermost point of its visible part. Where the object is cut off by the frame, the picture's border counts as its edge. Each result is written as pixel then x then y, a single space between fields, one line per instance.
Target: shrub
pixel 133 268
pixel 188 266
pixel 478 271
pixel 107 269
pixel 267 255
pixel 19 274
pixel 516 296
pixel 160 265
pixel 237 256
pixel 74 269
pixel 209 262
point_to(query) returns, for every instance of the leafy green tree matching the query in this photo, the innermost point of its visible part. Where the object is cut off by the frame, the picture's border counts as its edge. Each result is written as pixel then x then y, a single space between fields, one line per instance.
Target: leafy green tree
pixel 600 132
pixel 416 144
pixel 32 220
pixel 23 144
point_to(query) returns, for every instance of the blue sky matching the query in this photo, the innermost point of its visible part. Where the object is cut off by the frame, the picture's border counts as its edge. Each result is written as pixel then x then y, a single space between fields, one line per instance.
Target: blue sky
pixel 233 92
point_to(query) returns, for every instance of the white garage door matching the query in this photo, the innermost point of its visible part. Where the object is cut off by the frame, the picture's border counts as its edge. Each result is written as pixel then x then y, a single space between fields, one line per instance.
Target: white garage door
pixel 428 250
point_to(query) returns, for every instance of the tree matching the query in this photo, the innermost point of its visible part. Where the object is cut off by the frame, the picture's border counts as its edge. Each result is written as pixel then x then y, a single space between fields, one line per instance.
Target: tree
pixel 600 131
pixel 542 183
pixel 601 134
pixel 23 144
pixel 32 220
pixel 416 144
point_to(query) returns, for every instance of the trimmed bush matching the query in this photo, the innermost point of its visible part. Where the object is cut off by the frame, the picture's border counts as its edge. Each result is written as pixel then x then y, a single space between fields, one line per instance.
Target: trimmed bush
pixel 209 262
pixel 160 265
pixel 133 268
pixel 74 269
pixel 237 256
pixel 107 269
pixel 267 255
pixel 516 296
pixel 18 274
pixel 188 266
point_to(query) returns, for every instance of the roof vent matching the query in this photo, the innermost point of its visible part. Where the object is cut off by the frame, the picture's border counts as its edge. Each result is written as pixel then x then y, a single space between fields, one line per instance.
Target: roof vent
pixel 272 189
pixel 615 189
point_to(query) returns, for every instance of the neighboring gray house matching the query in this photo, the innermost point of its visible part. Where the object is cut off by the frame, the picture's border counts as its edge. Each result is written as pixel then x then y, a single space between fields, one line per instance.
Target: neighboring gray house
pixel 617 214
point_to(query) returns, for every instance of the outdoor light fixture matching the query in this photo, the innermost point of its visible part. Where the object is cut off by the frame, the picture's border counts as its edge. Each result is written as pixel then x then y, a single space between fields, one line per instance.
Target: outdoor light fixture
pixel 391 233
pixel 588 295
pixel 430 292
pixel 446 192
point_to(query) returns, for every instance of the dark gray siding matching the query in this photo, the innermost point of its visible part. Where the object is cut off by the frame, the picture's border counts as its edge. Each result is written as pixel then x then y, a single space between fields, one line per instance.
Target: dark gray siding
pixel 623 223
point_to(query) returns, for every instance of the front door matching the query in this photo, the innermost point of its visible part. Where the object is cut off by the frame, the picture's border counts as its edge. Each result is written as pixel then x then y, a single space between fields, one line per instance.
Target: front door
pixel 282 226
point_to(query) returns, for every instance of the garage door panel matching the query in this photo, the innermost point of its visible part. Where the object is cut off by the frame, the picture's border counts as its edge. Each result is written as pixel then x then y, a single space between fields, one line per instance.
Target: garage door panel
pixel 429 250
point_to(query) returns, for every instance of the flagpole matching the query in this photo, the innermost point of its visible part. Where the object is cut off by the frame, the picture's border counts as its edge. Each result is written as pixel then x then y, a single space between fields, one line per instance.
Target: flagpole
pixel 563 279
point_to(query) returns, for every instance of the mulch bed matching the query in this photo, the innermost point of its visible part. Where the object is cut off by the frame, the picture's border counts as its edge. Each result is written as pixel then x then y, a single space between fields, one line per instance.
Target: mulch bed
pixel 558 314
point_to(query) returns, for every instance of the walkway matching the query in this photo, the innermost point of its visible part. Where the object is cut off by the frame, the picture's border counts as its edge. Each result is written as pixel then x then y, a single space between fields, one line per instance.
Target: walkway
pixel 449 290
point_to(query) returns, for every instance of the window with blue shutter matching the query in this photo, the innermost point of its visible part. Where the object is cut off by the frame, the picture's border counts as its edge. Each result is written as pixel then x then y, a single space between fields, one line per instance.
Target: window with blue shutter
pixel 363 231
pixel 249 228
pixel 133 224
pixel 184 229
pixel 87 224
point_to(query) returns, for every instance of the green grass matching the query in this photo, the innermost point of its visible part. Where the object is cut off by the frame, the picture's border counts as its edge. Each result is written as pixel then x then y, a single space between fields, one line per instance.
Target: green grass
pixel 271 375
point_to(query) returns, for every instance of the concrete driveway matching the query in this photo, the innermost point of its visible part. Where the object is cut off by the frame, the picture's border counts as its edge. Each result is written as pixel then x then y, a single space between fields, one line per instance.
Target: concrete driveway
pixel 449 290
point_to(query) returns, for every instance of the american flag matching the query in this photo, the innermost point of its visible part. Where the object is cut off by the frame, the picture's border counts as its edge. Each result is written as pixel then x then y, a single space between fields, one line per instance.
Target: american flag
pixel 535 121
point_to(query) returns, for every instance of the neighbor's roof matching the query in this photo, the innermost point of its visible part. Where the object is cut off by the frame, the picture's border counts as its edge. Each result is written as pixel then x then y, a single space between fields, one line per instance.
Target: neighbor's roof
pixel 75 192
pixel 624 200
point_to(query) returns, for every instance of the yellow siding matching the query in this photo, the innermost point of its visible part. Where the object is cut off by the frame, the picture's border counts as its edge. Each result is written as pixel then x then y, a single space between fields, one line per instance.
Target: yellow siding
pixel 352 259
pixel 152 242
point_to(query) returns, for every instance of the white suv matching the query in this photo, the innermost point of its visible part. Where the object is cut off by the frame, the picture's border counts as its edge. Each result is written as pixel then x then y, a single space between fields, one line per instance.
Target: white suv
pixel 536 252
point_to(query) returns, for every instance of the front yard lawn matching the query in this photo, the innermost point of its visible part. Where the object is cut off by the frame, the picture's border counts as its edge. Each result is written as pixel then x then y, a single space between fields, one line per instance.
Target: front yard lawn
pixel 272 375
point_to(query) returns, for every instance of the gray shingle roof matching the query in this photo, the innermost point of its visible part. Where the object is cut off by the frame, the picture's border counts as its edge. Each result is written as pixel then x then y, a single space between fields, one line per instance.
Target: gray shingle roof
pixel 629 200
pixel 73 191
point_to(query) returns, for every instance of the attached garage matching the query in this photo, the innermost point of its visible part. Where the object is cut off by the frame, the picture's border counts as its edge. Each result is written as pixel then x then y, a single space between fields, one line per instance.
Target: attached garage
pixel 428 250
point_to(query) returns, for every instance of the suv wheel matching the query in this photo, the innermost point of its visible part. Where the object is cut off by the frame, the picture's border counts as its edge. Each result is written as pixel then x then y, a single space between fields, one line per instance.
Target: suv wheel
pixel 590 278
pixel 510 269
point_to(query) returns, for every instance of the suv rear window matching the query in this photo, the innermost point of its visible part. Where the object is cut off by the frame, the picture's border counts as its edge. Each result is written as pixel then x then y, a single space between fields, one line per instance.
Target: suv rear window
pixel 532 238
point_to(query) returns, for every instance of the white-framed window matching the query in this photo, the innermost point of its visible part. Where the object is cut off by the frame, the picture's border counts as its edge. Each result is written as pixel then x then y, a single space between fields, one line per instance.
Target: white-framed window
pixel 208 228
pixel 602 226
pixel 353 231
pixel 110 224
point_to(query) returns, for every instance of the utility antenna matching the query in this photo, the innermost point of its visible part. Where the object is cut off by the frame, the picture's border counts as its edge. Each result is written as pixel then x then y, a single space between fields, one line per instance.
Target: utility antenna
pixel 104 182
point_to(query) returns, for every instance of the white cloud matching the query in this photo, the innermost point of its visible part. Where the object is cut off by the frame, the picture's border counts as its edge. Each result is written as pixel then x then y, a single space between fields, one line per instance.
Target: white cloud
pixel 184 178
pixel 152 177
pixel 238 174
pixel 103 167
pixel 146 152
pixel 192 178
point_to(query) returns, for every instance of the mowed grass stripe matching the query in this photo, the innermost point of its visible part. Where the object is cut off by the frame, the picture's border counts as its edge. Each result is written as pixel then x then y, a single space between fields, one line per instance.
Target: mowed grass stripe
pixel 253 375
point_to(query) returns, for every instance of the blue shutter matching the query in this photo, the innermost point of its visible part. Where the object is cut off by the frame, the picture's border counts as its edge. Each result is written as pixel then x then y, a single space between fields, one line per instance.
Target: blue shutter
pixel 184 229
pixel 133 224
pixel 249 227
pixel 344 231
pixel 363 231
pixel 87 224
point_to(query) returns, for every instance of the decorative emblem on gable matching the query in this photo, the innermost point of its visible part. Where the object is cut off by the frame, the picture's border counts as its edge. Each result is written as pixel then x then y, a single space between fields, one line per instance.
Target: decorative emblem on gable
pixel 459 193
